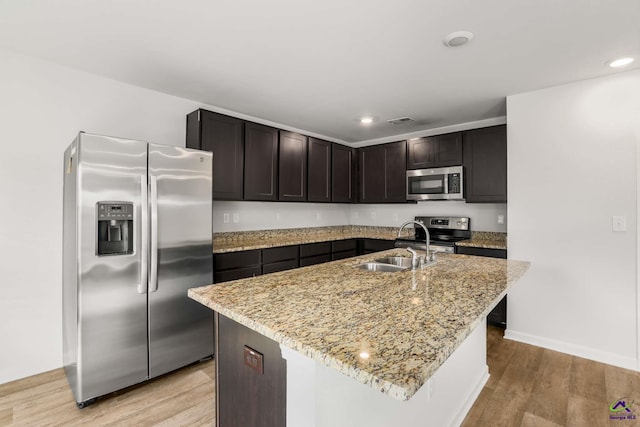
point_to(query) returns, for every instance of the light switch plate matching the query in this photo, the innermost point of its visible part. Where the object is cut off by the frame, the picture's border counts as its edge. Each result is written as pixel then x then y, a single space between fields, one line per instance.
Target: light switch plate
pixel 225 217
pixel 619 223
pixel 236 217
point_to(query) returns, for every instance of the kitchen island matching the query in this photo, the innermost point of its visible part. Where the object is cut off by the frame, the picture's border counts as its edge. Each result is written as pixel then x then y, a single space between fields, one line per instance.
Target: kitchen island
pixel 361 347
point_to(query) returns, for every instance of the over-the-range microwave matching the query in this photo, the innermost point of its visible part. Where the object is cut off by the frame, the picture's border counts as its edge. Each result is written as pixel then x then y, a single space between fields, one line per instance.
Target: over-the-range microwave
pixel 435 184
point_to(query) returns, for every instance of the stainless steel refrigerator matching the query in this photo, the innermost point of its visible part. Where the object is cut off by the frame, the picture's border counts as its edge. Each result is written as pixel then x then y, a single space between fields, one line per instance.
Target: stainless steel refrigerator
pixel 136 235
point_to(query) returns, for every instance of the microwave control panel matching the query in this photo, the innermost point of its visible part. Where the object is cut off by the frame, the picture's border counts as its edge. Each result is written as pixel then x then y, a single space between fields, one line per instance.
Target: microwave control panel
pixel 454 183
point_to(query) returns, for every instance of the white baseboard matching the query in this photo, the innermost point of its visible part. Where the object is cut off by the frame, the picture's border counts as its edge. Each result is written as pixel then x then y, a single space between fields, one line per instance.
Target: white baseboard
pixel 471 398
pixel 575 350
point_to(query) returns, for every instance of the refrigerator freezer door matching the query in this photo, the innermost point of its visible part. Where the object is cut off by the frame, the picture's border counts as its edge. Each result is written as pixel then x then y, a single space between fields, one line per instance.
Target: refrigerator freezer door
pixel 180 329
pixel 111 312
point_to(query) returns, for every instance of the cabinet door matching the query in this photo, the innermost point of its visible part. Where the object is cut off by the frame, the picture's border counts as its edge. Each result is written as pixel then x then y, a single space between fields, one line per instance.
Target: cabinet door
pixel 292 167
pixel 250 398
pixel 319 170
pixel 224 137
pixel 421 153
pixel 395 167
pixel 343 174
pixel 382 173
pixel 485 163
pixel 449 149
pixel 371 174
pixel 260 162
pixel 435 151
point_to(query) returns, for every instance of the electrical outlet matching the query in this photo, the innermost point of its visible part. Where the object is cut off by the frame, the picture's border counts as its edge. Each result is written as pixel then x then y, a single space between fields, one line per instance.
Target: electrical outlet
pixel 278 216
pixel 373 215
pixel 619 223
pixel 236 217
pixel 395 217
pixel 355 215
pixel 225 217
pixel 317 216
pixel 500 219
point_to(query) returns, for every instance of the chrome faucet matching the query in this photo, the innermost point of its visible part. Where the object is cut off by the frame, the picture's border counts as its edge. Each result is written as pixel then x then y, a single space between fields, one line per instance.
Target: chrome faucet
pixel 415 259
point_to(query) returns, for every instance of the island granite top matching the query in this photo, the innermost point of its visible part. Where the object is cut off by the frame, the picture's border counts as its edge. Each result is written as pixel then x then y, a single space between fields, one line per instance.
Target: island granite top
pixel 391 331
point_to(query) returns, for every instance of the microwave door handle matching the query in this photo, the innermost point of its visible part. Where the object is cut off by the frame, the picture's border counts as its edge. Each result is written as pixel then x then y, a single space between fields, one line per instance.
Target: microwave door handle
pixel 445 190
pixel 144 233
pixel 153 270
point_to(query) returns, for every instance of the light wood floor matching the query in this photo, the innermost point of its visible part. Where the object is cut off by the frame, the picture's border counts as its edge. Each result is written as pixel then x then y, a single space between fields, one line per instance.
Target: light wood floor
pixel 183 398
pixel 529 386
pixel 535 387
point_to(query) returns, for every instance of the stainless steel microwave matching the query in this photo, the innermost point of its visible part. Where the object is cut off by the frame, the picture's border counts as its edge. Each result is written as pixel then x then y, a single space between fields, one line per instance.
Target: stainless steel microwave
pixel 435 184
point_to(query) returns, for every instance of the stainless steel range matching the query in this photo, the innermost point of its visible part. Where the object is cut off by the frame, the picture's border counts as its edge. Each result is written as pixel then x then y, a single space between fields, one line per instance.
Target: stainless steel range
pixel 444 231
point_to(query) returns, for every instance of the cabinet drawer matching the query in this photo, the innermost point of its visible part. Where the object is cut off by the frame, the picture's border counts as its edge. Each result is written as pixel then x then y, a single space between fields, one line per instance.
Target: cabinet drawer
pixel 375 245
pixel 315 260
pixel 492 253
pixel 314 249
pixel 236 260
pixel 344 245
pixel 238 273
pixel 283 253
pixel 279 266
pixel 343 255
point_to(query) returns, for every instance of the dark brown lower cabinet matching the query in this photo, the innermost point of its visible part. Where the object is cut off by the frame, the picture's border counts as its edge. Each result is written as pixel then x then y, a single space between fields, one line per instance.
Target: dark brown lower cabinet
pixel 236 265
pixel 498 316
pixel 341 249
pixel 279 259
pixel 376 245
pixel 315 253
pixel 251 377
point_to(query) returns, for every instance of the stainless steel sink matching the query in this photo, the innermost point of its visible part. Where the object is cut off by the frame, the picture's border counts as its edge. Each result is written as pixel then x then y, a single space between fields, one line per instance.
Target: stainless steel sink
pixel 385 268
pixel 400 261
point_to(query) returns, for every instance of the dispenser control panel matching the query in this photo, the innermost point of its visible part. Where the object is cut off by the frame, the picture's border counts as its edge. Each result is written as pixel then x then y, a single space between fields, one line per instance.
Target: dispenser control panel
pixel 114 228
pixel 108 211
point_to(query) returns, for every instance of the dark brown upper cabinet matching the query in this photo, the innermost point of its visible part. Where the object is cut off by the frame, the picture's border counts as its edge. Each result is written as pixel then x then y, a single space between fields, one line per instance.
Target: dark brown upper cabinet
pixel 435 151
pixel 343 174
pixel 319 170
pixel 485 165
pixel 292 181
pixel 260 162
pixel 382 172
pixel 224 137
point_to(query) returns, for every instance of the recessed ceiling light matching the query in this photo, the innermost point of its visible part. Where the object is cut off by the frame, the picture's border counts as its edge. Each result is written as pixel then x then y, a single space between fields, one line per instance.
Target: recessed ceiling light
pixel 621 62
pixel 366 120
pixel 458 38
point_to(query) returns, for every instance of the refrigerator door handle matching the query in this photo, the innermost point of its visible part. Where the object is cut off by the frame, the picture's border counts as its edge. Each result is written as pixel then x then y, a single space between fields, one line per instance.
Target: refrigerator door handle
pixel 144 232
pixel 153 271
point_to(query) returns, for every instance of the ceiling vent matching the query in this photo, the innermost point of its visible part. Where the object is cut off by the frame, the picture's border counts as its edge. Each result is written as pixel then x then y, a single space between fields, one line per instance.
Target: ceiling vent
pixel 400 120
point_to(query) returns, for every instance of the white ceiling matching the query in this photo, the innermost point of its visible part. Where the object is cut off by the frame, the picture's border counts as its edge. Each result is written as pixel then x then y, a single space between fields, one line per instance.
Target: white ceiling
pixel 320 65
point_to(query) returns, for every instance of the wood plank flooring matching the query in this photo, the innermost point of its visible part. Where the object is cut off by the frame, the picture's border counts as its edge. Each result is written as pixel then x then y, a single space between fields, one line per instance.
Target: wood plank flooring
pixel 535 387
pixel 529 387
pixel 182 398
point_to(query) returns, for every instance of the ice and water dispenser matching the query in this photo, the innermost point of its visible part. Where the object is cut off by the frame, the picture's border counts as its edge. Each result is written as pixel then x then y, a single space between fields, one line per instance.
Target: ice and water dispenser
pixel 115 228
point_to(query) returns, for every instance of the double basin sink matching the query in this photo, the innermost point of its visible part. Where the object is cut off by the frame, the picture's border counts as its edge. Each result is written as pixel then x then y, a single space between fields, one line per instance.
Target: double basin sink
pixel 387 264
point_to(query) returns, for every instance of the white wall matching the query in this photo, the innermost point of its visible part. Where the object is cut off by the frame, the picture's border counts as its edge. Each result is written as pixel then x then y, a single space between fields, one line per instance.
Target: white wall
pixel 274 215
pixel 572 166
pixel 42 108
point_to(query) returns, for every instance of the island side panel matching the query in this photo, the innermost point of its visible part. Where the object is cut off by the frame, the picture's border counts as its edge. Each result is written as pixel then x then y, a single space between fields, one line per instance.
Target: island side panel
pixel 244 396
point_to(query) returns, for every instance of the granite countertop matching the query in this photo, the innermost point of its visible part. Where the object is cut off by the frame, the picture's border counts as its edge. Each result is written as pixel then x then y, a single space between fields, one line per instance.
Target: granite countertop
pixel 261 239
pixel 486 240
pixel 407 323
